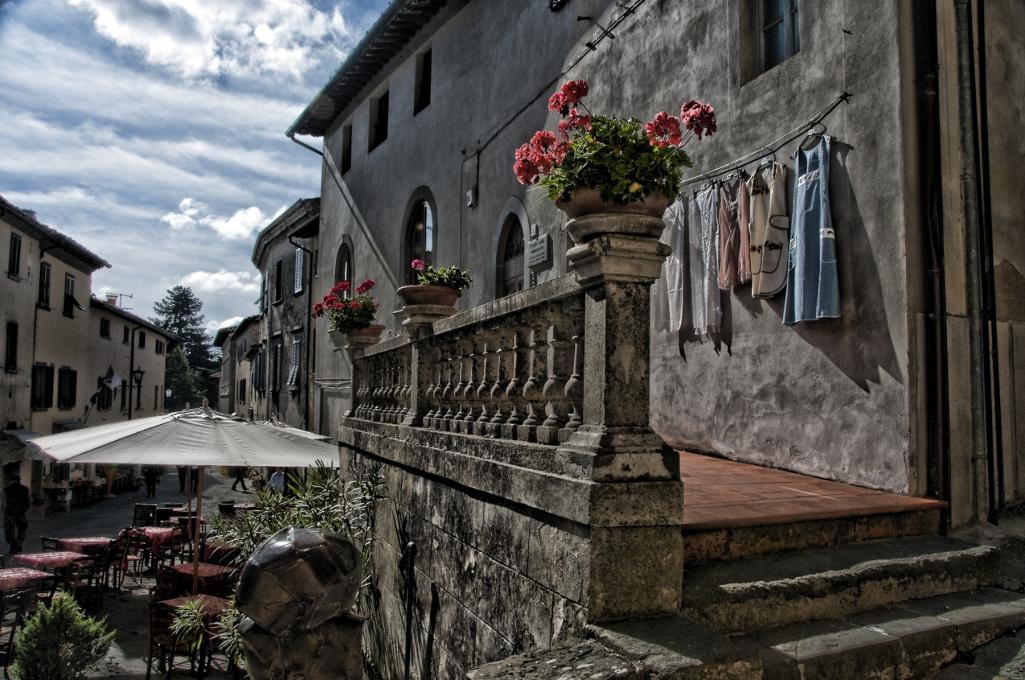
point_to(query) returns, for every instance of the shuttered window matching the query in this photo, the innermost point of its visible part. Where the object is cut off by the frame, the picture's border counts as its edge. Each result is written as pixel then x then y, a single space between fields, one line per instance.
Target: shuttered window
pixel 67 387
pixel 298 275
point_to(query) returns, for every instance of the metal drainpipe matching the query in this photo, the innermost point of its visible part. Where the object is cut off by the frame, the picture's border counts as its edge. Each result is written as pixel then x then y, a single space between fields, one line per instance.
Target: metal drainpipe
pixel 309 328
pixel 968 128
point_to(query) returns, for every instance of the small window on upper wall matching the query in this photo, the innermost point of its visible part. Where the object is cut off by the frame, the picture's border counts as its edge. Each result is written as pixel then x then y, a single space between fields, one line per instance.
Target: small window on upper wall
pixel 14 257
pixel 780 31
pixel 124 335
pixel 104 328
pixel 378 121
pixel 422 93
pixel 44 285
pixel 142 339
pixel 297 272
pixel 346 149
pixel 279 272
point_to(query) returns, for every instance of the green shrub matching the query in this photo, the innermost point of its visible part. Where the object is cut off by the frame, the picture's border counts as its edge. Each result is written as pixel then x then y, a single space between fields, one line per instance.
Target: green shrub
pixel 59 642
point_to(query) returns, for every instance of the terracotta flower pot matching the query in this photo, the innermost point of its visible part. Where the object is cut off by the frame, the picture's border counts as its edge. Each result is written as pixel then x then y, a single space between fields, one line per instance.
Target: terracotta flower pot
pixel 357 338
pixel 591 217
pixel 442 296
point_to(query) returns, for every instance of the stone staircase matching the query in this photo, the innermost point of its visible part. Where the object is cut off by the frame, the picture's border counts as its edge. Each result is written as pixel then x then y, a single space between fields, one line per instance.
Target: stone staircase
pixel 896 608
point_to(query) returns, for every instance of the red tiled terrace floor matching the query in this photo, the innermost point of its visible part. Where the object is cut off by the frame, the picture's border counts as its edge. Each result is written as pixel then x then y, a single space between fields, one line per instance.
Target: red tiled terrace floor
pixel 721 493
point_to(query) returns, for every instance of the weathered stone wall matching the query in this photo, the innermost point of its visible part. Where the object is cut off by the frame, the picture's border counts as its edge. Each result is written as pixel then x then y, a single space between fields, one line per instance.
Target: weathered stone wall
pixel 829 398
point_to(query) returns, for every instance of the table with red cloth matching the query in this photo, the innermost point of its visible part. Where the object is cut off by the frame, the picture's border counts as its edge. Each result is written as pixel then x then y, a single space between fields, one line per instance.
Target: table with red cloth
pixel 49 561
pixel 211 605
pixel 219 552
pixel 16 578
pixel 213 578
pixel 90 545
pixel 158 536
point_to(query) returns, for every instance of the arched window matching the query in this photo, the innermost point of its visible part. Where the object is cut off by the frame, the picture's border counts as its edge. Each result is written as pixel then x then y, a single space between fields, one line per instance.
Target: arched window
pixel 343 266
pixel 419 236
pixel 509 274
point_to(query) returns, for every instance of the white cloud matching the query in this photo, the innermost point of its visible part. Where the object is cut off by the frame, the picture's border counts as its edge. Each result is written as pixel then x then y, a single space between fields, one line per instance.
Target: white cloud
pixel 199 38
pixel 241 225
pixel 222 281
pixel 213 326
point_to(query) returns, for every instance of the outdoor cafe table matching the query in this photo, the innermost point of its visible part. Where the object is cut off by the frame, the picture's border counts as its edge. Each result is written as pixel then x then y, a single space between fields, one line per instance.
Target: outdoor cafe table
pixel 50 561
pixel 16 578
pixel 90 545
pixel 211 605
pixel 213 578
pixel 158 536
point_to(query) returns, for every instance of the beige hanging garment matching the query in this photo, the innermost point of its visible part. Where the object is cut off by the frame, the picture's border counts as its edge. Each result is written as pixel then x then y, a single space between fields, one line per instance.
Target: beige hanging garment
pixel 769 228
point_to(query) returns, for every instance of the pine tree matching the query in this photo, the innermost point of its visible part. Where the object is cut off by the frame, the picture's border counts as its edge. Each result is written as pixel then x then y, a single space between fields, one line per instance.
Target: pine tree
pixel 185 385
pixel 181 312
pixel 59 642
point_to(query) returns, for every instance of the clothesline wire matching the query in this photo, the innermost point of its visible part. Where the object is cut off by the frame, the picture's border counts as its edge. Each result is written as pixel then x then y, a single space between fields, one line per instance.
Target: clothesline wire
pixel 772 147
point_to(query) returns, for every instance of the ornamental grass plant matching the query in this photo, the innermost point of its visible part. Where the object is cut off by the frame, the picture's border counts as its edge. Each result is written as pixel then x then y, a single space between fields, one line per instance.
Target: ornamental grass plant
pixel 624 159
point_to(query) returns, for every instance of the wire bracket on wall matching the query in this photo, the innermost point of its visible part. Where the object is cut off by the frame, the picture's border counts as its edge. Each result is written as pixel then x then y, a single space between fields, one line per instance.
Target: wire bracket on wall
pixel 772 147
pixel 590 44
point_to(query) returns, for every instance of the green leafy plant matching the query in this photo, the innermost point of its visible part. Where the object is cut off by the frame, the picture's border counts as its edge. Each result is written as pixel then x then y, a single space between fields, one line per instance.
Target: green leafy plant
pixel 59 642
pixel 453 277
pixel 228 636
pixel 624 159
pixel 189 625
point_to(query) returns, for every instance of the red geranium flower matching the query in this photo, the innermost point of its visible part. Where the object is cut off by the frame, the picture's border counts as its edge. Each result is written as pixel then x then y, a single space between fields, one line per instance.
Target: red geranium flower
pixel 318 309
pixel 699 118
pixel 574 121
pixel 364 287
pixel 663 130
pixel 418 265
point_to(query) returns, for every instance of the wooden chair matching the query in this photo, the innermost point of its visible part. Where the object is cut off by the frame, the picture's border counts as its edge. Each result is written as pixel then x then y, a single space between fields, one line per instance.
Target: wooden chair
pixel 163 646
pixel 14 607
pixel 144 515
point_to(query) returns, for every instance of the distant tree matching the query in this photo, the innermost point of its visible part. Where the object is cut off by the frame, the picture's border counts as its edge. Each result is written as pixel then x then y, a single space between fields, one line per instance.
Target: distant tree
pixel 181 312
pixel 183 382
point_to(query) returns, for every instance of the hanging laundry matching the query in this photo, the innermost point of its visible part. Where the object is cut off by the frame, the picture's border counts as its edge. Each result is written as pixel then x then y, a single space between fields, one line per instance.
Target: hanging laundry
pixel 706 205
pixel 675 236
pixel 769 227
pixel 813 290
pixel 734 249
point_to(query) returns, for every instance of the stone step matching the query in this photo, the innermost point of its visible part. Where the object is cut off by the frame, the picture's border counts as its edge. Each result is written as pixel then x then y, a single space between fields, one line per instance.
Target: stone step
pixel 809 585
pixel 706 542
pixel 911 640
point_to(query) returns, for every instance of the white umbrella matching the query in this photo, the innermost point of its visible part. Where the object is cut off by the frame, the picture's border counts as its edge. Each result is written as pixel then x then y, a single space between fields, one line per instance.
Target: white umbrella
pixel 195 437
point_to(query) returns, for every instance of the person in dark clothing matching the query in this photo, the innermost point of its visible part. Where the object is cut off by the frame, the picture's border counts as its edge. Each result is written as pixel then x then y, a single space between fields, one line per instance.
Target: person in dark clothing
pixel 182 472
pixel 151 474
pixel 195 481
pixel 16 504
pixel 240 478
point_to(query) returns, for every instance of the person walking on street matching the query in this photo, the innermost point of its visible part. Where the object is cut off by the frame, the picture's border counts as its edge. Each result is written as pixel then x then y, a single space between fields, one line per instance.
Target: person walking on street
pixel 151 474
pixel 16 504
pixel 277 481
pixel 240 478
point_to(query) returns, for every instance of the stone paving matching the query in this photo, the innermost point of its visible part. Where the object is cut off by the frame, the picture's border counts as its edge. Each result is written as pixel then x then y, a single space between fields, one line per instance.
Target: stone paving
pixel 126 611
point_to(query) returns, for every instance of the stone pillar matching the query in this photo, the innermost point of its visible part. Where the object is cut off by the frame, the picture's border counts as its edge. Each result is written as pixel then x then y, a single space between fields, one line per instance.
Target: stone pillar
pixel 636 505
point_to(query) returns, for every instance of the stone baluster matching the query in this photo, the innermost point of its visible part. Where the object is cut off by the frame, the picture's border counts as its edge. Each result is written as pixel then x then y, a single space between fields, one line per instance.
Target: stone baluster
pixel 532 388
pixel 464 363
pixel 559 366
pixel 574 390
pixel 430 361
pixel 485 381
pixel 500 383
pixel 518 362
pixel 469 395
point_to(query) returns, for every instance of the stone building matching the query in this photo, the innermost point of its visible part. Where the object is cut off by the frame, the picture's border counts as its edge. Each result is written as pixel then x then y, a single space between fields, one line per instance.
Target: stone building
pixel 246 344
pixel 136 351
pixel 285 261
pixel 914 390
pixel 226 376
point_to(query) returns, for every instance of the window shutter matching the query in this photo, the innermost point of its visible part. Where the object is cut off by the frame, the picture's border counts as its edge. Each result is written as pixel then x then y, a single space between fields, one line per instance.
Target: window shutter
pixel 48 387
pixel 298 270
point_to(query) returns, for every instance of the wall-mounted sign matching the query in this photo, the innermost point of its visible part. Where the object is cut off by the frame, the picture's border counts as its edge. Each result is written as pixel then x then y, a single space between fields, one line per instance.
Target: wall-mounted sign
pixel 537 252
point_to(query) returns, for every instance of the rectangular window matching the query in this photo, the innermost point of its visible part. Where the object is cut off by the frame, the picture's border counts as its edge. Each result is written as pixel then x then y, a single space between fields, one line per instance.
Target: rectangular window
pixel 14 257
pixel 275 367
pixel 11 348
pixel 104 328
pixel 780 31
pixel 297 353
pixel 158 346
pixel 346 149
pixel 142 339
pixel 44 285
pixel 124 396
pixel 156 395
pixel 422 93
pixel 279 270
pixel 264 282
pixel 67 387
pixel 42 387
pixel 240 397
pixel 298 272
pixel 378 121
pixel 69 296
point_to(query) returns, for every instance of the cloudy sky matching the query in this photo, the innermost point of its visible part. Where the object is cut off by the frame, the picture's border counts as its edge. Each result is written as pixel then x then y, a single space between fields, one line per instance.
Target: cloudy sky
pixel 152 131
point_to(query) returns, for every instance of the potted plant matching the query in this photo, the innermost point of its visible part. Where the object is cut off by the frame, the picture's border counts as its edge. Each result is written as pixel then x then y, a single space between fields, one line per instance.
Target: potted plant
pixel 601 169
pixel 60 642
pixel 435 293
pixel 351 318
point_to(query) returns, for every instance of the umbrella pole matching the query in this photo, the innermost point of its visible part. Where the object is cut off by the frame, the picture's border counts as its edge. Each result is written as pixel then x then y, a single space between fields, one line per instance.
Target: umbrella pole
pixel 195 534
